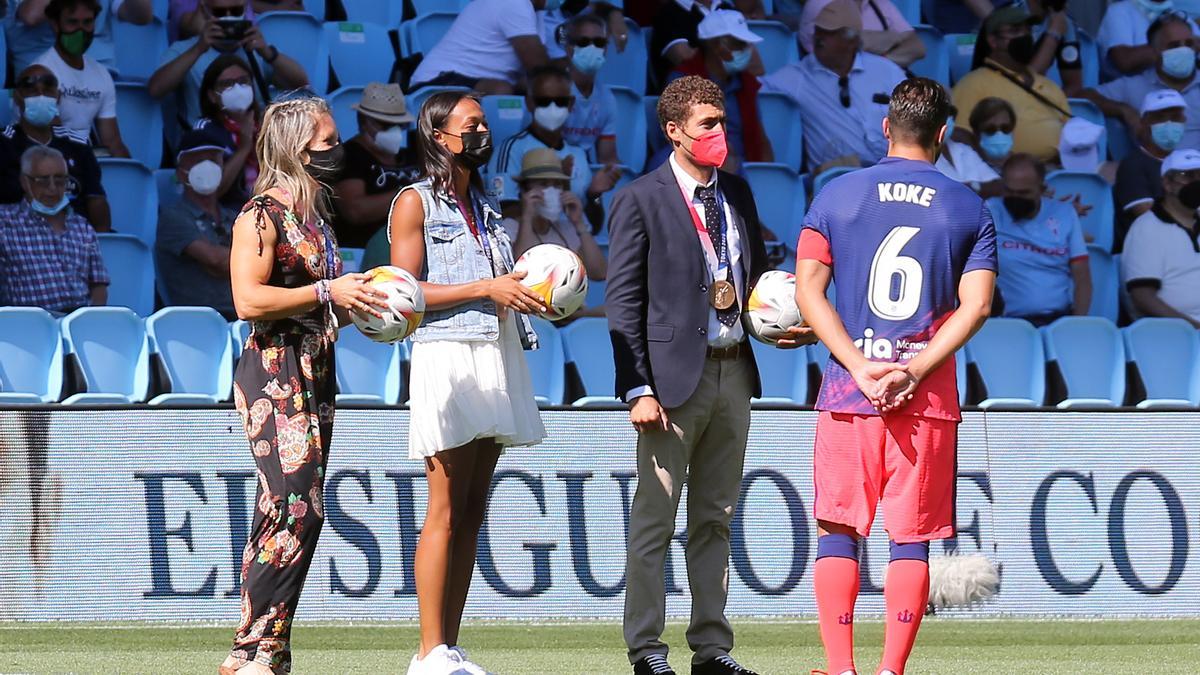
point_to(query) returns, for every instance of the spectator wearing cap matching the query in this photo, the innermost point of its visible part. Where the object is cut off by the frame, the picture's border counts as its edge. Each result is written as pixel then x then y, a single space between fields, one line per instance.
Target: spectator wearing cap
pixel 549 213
pixel 1002 57
pixel 35 97
pixel 1123 37
pixel 226 31
pixel 842 92
pixel 378 163
pixel 1043 258
pixel 230 115
pixel 29 33
pixel 1171 38
pixel 550 100
pixel 726 49
pixel 1139 177
pixel 961 162
pixel 885 31
pixel 592 124
pixel 488 47
pixel 89 98
pixel 1160 264
pixel 673 38
pixel 1079 149
pixel 48 252
pixel 194 233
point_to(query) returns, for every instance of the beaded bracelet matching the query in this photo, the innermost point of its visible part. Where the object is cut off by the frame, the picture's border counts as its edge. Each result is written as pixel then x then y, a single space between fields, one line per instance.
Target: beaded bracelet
pixel 323 296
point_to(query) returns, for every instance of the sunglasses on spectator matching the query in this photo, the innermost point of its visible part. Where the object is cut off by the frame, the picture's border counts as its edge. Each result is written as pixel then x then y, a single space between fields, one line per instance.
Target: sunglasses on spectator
pixel 57 180
pixel 596 42
pixel 227 12
pixel 35 81
pixel 222 85
pixel 996 129
pixel 560 101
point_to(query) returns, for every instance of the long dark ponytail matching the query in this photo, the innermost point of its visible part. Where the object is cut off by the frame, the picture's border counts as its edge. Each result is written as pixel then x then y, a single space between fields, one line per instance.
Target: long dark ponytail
pixel 437 162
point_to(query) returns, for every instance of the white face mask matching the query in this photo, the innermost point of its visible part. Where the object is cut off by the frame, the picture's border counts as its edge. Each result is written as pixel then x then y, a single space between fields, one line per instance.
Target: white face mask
pixel 551 117
pixel 551 205
pixel 237 99
pixel 205 177
pixel 392 139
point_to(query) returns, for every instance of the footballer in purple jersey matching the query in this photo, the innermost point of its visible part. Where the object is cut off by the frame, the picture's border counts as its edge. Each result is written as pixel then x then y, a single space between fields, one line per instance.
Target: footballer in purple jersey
pixel 913 256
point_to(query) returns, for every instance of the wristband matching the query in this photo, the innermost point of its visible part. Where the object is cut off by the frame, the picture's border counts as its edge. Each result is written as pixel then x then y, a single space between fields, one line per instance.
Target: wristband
pixel 322 288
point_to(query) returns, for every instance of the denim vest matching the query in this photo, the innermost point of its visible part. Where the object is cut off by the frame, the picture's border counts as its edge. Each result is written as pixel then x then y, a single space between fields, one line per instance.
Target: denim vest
pixel 453 256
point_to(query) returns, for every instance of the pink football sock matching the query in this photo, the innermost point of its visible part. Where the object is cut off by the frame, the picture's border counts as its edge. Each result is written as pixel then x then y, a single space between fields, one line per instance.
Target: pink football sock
pixel 835 580
pixel 906 593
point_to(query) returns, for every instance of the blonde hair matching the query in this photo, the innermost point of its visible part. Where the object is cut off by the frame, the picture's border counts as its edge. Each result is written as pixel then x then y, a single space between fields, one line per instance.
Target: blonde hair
pixel 287 129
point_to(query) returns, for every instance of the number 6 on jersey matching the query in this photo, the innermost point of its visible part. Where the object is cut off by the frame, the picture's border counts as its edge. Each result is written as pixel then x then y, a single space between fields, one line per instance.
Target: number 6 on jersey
pixel 888 263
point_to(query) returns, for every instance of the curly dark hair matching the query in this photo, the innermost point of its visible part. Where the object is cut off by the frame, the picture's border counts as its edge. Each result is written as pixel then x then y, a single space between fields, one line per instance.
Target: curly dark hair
pixel 675 104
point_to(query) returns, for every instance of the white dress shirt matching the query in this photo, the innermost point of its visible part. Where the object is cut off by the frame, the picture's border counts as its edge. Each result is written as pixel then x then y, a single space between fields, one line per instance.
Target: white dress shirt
pixel 719 335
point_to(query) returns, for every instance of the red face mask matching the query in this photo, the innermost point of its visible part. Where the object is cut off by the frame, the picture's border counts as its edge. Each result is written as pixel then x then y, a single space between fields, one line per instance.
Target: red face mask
pixel 710 148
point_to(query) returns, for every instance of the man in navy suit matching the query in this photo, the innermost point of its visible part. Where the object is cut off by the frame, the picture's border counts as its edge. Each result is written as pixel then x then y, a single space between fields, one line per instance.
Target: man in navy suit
pixel 686 248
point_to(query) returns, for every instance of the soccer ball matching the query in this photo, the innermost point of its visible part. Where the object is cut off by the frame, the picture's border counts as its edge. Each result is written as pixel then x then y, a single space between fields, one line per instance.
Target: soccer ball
pixel 771 309
pixel 557 275
pixel 405 305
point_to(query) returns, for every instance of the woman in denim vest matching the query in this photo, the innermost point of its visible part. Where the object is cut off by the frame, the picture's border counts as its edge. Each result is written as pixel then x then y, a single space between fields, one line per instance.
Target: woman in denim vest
pixel 470 388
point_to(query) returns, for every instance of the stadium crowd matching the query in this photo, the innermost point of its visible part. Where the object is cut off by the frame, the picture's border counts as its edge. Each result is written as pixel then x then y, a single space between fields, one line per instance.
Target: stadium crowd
pixel 1087 149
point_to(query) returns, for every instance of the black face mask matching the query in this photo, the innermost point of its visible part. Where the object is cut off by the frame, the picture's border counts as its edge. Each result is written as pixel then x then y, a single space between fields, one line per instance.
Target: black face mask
pixel 1020 208
pixel 1189 195
pixel 477 149
pixel 325 166
pixel 1021 49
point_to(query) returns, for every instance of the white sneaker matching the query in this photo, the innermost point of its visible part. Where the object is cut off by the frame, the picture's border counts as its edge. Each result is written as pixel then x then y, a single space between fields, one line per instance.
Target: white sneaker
pixel 465 664
pixel 439 661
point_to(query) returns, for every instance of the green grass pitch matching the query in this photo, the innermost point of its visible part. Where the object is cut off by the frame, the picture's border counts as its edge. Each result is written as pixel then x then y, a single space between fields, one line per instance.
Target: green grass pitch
pixel 950 646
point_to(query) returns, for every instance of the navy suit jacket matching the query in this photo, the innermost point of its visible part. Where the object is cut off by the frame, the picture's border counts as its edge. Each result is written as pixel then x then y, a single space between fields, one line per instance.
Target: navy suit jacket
pixel 657 295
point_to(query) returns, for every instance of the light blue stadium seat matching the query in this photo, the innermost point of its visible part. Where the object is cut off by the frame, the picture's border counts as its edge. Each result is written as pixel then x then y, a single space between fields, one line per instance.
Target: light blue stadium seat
pixel 506 116
pixel 779 195
pixel 654 133
pixel 960 50
pixel 423 32
pixel 138 49
pixel 359 52
pixel 822 179
pixel 1089 59
pixel 113 353
pixel 1119 141
pixel 417 97
pixel 374 11
pixel 168 188
pixel 1093 191
pixel 631 130
pixel 31 354
pixel 197 351
pixel 547 364
pixel 367 371
pixel 140 119
pixel 132 197
pixel 1009 356
pixel 422 7
pixel 1081 107
pixel 627 176
pixel 627 68
pixel 911 9
pixel 6 111
pixel 781 120
pixel 130 266
pixel 301 36
pixel 587 345
pixel 960 375
pixel 1091 359
pixel 595 293
pixel 345 117
pixel 239 330
pixel 783 372
pixel 316 8
pixel 1166 353
pixel 778 47
pixel 936 63
pixel 818 357
pixel 1106 283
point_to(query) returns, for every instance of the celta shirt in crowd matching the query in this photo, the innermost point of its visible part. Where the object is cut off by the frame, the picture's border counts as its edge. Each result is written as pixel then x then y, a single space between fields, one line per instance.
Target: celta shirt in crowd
pixel 1037 256
pixel 899 236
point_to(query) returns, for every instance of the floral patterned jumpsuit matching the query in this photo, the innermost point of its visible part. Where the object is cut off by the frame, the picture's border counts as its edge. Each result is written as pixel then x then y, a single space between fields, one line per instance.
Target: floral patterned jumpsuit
pixel 284 392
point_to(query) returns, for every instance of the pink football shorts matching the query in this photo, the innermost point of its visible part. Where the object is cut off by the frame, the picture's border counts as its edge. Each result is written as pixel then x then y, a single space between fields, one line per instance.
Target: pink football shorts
pixel 907 461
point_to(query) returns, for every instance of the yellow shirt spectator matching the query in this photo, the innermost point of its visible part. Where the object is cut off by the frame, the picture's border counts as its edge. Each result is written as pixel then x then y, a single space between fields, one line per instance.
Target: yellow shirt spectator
pixel 1039 124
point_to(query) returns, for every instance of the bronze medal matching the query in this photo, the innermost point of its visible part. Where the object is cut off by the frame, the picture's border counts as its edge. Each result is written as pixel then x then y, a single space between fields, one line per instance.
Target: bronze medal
pixel 722 294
